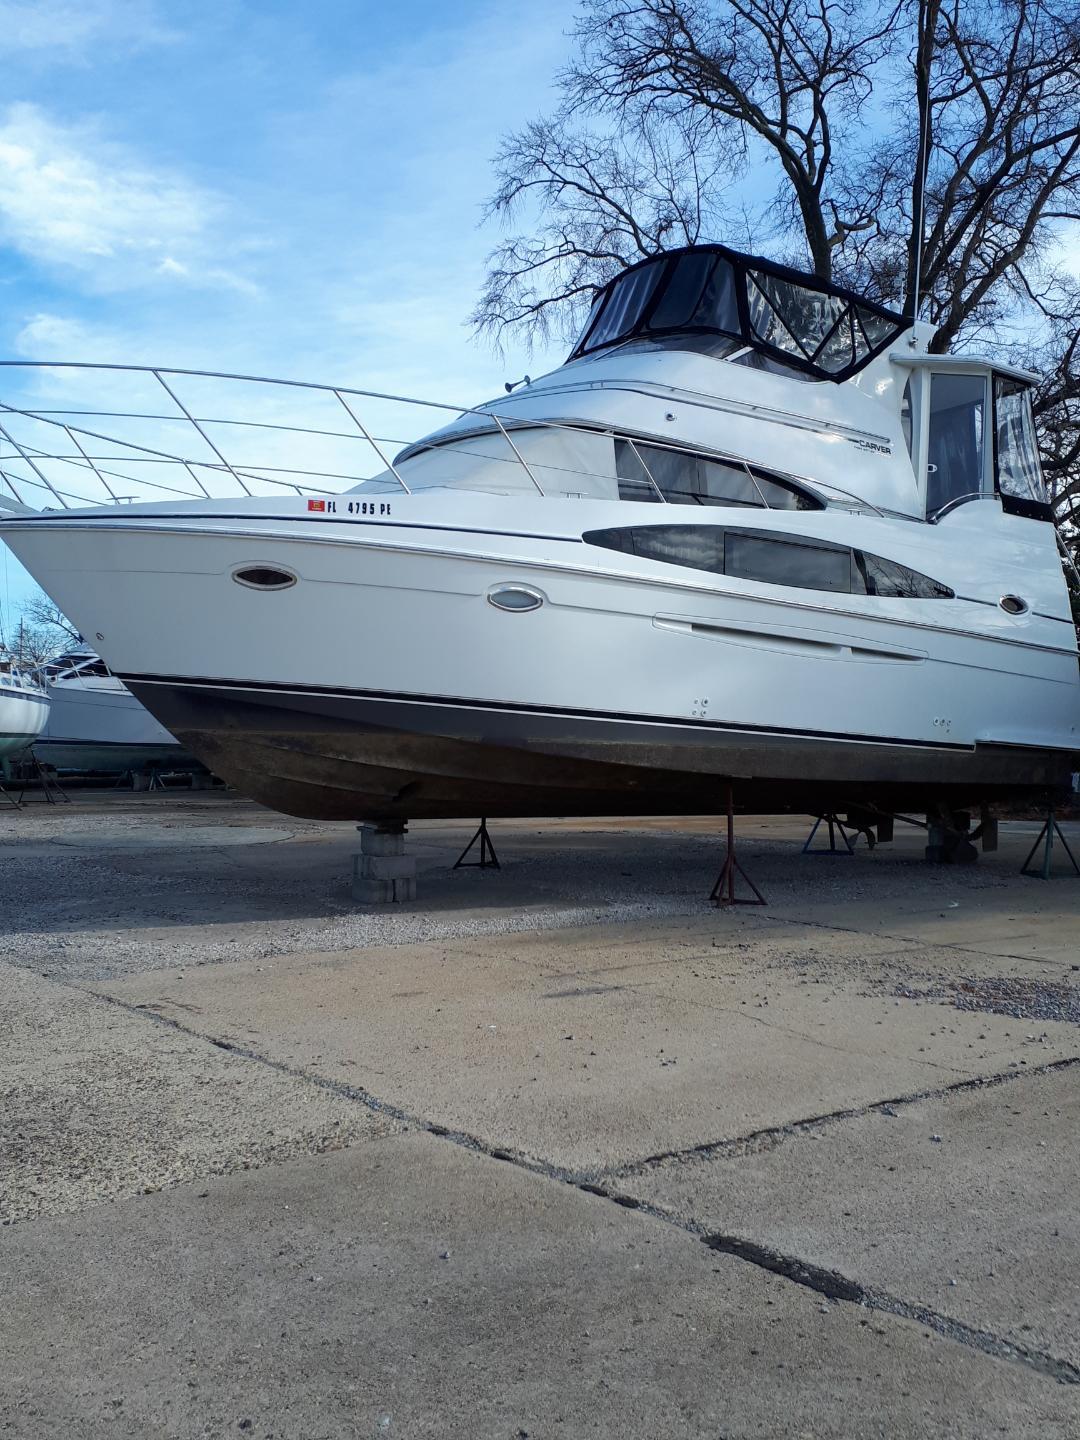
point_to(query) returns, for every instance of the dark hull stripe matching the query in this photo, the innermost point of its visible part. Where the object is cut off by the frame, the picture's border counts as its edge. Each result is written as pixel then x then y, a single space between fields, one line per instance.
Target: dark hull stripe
pixel 509 707
pixel 23 695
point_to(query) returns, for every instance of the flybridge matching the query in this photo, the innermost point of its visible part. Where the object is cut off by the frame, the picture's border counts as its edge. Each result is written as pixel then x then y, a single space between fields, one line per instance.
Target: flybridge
pixel 712 298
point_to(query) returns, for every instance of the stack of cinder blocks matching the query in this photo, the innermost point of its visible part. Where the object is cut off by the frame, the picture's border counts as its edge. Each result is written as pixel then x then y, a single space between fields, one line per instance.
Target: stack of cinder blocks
pixel 382 873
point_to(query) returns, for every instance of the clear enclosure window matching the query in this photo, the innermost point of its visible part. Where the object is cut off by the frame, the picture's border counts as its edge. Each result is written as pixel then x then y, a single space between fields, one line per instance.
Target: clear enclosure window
pixel 957 425
pixel 1019 472
pixel 711 291
pixel 625 305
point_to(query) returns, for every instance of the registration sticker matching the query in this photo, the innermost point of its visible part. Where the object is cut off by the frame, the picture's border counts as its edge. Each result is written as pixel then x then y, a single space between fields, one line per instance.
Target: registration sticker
pixel 378 508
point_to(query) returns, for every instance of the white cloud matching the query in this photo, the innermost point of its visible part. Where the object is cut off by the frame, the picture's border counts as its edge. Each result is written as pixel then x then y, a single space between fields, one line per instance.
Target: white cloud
pixel 63 29
pixel 71 198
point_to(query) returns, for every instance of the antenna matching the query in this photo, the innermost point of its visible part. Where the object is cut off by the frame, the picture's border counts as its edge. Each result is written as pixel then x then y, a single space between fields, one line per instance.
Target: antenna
pixel 928 11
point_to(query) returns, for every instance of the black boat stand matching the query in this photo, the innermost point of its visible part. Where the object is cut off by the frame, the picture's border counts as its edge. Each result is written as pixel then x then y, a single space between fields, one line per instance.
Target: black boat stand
pixel 488 859
pixel 834 823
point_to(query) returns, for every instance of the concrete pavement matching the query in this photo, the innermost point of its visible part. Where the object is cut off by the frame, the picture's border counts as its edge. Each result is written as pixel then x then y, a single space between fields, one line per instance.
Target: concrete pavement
pixel 561 1151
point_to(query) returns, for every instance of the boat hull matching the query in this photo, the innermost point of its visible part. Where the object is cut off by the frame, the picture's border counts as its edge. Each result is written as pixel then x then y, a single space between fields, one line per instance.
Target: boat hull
pixel 348 756
pixel 22 716
pixel 382 683
pixel 96 725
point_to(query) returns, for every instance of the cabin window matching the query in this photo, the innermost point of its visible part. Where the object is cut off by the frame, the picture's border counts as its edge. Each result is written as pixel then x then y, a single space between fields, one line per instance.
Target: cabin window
pixel 682 478
pixel 873 575
pixel 771 560
pixel 955 467
pixel 1016 451
pixel 783 562
pixel 698 547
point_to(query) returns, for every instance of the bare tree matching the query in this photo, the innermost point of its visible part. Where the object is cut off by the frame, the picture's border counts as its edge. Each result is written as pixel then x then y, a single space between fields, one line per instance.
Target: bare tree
pixel 41 632
pixel 806 127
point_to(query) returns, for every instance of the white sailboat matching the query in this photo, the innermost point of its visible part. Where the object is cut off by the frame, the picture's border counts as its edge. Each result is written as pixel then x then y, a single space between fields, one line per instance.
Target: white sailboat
pixel 753 532
pixel 24 709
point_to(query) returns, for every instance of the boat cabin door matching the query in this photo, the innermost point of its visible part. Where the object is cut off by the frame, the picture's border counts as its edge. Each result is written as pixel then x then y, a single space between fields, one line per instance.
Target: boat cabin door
pixel 979 441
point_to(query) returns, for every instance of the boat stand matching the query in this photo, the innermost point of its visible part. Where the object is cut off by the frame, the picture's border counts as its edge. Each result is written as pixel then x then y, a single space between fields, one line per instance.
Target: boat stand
pixel 1046 840
pixel 45 775
pixel 54 792
pixel 723 892
pixel 488 859
pixel 834 823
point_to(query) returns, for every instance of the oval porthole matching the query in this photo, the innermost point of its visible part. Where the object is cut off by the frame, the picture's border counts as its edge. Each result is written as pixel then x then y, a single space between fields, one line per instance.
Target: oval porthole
pixel 1013 605
pixel 515 598
pixel 264 577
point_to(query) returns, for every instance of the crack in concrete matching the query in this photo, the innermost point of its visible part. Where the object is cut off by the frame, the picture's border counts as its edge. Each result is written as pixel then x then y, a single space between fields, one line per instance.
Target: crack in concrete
pixel 769 1137
pixel 828 1283
pixel 834 1286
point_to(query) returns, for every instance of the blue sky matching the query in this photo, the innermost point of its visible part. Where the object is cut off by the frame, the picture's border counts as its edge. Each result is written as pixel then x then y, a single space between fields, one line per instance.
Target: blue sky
pixel 261 186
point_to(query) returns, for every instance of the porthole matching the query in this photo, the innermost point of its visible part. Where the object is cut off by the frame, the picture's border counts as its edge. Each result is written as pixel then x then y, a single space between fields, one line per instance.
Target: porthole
pixel 1013 605
pixel 517 598
pixel 264 577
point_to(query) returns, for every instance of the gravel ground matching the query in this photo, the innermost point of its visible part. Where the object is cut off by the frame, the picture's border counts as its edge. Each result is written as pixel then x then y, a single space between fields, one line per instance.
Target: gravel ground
pixel 1002 995
pixel 142 900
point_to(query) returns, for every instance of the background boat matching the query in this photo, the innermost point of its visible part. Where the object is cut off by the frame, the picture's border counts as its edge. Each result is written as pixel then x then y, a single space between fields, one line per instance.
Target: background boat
pixel 24 709
pixel 95 723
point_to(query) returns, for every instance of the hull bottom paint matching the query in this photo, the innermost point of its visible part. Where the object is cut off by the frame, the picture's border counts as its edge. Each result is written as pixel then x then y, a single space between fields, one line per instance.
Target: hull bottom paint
pixel 11 746
pixel 106 758
pixel 340 755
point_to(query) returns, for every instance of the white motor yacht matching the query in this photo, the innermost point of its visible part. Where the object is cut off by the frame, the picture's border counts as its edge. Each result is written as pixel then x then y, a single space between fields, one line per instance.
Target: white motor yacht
pixel 96 724
pixel 753 532
pixel 24 709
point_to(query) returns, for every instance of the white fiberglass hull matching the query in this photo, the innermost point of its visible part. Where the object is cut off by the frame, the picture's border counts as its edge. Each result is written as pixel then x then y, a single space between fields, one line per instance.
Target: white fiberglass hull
pixel 98 725
pixel 22 715
pixel 384 684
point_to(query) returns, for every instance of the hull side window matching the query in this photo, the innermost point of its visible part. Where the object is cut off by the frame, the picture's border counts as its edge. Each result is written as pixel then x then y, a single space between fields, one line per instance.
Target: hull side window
pixel 804 564
pixel 810 567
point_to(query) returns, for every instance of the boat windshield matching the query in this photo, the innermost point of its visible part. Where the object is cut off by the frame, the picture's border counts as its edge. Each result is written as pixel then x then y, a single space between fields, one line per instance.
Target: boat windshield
pixel 710 291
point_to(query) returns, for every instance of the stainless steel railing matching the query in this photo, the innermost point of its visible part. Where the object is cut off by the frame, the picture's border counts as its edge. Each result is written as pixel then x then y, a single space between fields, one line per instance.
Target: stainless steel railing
pixel 222 433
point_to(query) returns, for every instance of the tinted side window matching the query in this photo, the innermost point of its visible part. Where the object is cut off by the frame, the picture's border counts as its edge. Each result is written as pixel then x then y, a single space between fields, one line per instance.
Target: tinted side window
pixel 783 562
pixel 871 575
pixel 699 547
pixel 751 555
